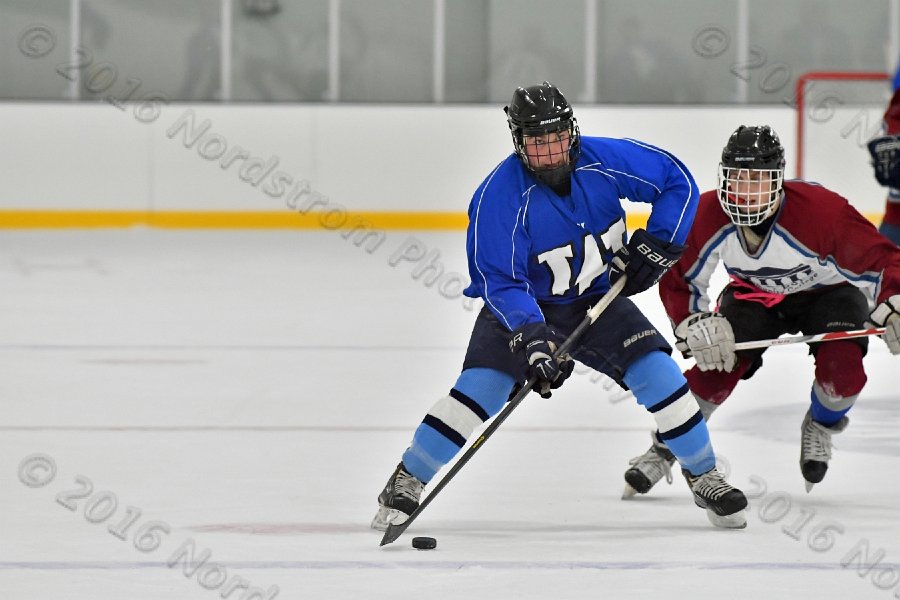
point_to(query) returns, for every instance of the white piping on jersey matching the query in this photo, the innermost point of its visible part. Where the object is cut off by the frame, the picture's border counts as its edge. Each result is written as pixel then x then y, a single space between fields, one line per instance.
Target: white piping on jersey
pixel 525 278
pixel 588 168
pixel 512 259
pixel 686 178
pixel 699 274
pixel 604 172
pixel 639 179
pixel 475 250
pixel 601 171
pixel 859 279
pixel 701 271
pixel 523 212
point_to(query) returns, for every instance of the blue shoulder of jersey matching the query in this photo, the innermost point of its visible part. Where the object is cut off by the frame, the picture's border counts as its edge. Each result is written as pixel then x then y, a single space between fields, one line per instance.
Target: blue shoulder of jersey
pixel 646 173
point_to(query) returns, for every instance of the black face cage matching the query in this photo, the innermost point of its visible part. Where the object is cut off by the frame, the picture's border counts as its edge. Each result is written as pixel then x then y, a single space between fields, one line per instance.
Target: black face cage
pixel 519 133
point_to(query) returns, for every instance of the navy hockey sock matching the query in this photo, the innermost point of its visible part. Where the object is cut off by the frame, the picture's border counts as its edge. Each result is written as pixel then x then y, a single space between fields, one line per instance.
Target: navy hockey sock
pixel 890 225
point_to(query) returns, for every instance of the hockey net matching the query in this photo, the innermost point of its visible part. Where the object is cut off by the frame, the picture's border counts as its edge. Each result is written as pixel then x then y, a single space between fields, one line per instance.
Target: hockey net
pixel 837 112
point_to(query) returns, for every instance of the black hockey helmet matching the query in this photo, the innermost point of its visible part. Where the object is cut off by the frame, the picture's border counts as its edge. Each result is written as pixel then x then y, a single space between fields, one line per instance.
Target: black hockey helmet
pixel 539 110
pixel 757 149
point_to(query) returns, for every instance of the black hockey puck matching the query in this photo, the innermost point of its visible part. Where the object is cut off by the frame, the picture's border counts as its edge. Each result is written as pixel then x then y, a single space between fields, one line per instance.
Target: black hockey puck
pixel 424 543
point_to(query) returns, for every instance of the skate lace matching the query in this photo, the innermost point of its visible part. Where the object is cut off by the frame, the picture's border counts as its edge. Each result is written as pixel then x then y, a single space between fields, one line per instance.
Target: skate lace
pixel 408 486
pixel 816 442
pixel 653 465
pixel 711 485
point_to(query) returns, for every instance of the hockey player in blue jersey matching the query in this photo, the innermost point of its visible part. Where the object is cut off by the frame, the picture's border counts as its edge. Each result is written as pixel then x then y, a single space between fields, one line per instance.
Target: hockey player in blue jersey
pixel 546 239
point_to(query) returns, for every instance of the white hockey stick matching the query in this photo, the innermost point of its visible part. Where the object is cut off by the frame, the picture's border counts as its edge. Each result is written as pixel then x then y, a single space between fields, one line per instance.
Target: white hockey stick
pixel 819 337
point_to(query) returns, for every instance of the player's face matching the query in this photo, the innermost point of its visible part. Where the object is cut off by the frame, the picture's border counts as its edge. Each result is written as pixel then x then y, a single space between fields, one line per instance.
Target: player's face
pixel 749 196
pixel 547 151
pixel 749 190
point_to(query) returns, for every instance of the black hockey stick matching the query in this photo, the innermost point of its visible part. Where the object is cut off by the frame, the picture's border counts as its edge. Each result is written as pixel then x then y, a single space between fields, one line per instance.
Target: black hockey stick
pixel 395 531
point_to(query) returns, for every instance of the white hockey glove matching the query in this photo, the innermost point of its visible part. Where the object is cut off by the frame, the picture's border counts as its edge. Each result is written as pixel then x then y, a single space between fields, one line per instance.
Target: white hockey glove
pixel 708 337
pixel 887 315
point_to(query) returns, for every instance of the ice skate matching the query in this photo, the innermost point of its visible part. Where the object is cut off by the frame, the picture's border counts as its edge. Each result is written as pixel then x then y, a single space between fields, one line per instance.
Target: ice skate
pixel 815 448
pixel 648 468
pixel 724 504
pixel 398 499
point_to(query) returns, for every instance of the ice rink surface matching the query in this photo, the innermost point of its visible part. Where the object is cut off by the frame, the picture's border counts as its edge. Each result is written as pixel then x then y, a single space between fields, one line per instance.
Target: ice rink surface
pixel 211 414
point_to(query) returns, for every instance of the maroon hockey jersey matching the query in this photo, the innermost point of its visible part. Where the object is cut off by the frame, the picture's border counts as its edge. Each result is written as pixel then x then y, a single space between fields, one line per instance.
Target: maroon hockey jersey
pixel 818 240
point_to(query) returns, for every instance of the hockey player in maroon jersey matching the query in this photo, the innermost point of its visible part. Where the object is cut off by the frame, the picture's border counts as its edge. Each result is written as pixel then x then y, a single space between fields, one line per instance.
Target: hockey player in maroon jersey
pixel 885 152
pixel 800 259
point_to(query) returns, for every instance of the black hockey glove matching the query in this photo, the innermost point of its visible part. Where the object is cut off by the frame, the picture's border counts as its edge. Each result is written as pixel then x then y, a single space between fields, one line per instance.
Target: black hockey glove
pixel 885 153
pixel 537 342
pixel 644 260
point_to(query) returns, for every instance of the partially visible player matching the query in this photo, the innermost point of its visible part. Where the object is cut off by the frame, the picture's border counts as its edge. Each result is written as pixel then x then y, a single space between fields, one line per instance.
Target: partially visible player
pixel 546 238
pixel 800 259
pixel 885 150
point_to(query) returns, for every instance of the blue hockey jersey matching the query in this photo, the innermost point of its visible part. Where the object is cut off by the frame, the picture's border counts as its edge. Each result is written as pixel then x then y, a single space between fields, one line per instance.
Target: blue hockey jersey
pixel 526 244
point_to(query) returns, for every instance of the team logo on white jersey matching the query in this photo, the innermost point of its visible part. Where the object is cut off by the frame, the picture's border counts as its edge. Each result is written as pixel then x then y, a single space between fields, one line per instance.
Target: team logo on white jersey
pixel 777 280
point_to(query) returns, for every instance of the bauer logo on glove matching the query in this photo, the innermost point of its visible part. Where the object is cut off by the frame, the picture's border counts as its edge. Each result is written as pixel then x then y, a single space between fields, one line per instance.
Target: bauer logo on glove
pixel 656 257
pixel 645 259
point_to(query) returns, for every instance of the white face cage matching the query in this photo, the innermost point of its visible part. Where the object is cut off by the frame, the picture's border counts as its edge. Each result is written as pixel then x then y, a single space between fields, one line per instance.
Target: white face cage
pixel 749 196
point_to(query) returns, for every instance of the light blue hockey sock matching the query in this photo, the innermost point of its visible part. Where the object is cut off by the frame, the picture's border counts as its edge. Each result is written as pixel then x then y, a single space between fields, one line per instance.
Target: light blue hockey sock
pixel 477 395
pixel 660 387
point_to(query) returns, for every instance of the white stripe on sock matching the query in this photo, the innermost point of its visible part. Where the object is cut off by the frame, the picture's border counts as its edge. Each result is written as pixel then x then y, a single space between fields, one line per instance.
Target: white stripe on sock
pixel 833 403
pixel 456 415
pixel 676 414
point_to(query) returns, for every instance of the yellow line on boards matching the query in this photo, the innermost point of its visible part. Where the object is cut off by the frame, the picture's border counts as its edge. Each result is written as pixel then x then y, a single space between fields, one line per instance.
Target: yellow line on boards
pixel 65 219
pixel 94 219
